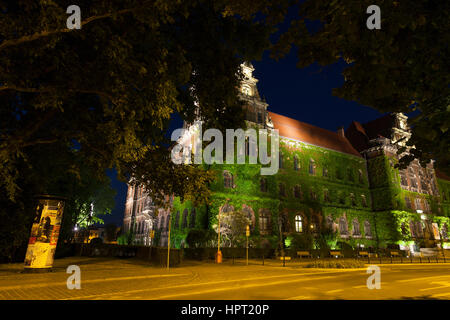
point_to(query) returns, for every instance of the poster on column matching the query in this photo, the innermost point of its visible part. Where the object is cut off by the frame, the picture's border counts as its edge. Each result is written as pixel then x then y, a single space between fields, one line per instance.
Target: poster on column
pixel 44 233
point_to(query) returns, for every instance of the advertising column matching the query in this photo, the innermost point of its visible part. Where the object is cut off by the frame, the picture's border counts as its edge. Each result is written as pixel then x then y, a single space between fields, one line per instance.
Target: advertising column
pixel 44 234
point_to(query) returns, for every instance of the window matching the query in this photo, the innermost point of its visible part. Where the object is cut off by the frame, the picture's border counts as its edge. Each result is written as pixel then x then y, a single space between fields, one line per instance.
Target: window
pixel 350 174
pixel 227 179
pixel 249 215
pixel 298 223
pixel 343 228
pixel 408 203
pixel 352 199
pixel 363 200
pixel 264 221
pixel 341 198
pixel 193 216
pixel 330 223
pixel 312 167
pixel 444 232
pixel 419 229
pixel 412 228
pixel 315 226
pixel 282 188
pixel 296 166
pixel 403 179
pixel 260 117
pixel 339 173
pixel 326 196
pixel 312 194
pixel 263 185
pixel 418 204
pixel 246 90
pixel 176 224
pixel 325 172
pixel 367 229
pixel 361 179
pixel 297 192
pixel 162 223
pixel 356 229
pixel 185 217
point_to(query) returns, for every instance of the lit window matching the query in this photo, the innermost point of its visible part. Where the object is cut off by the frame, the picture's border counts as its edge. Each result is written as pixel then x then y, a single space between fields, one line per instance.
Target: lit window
pixel 296 166
pixel 298 223
pixel 343 228
pixel 312 167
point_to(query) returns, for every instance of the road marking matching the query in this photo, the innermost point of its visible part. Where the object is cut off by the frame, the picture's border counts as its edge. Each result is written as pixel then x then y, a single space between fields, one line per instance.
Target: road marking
pixel 425 278
pixel 443 284
pixel 235 288
pixel 40 285
pixel 446 294
pixel 335 291
pixel 299 298
pixel 360 287
pixel 205 283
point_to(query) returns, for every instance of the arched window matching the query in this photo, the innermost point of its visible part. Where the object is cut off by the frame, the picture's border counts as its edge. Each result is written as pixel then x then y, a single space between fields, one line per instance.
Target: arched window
pixel 361 179
pixel 356 229
pixel 246 90
pixel 176 223
pixel 312 194
pixel 298 223
pixel 404 229
pixel 264 221
pixel 263 185
pixel 312 167
pixel 325 172
pixel 296 165
pixel 419 229
pixel 185 217
pixel 193 216
pixel 418 204
pixel 227 179
pixel 343 228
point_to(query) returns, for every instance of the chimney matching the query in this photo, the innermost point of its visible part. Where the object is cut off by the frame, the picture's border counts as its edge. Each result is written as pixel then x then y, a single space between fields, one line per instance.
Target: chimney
pixel 340 131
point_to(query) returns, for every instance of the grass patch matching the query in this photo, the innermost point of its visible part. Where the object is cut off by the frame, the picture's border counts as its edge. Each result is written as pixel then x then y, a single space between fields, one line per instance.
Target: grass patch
pixel 336 264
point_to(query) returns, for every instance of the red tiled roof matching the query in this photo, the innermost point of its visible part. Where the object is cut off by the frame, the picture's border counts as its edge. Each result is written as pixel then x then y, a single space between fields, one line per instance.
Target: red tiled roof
pixel 308 133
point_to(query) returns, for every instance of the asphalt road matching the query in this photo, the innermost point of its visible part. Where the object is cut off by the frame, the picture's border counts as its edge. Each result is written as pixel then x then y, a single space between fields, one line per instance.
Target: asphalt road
pixel 103 278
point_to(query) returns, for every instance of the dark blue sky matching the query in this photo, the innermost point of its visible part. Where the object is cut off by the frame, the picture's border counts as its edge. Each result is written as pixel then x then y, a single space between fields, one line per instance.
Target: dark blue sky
pixel 302 94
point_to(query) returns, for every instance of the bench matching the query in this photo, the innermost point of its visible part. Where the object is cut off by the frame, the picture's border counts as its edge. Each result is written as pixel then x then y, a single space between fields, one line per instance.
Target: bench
pixel 395 254
pixel 363 254
pixel 336 254
pixel 302 254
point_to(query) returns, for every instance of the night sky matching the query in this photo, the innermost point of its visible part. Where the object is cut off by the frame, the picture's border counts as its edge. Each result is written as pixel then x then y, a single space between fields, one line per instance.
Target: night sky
pixel 302 94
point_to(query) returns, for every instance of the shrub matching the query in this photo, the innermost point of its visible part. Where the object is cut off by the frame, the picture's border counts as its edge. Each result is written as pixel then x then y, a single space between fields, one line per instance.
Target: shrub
pixel 301 241
pixel 335 264
pixel 346 249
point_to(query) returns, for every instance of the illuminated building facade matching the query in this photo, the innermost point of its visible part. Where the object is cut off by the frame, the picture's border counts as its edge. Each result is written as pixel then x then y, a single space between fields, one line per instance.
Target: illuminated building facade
pixel 345 182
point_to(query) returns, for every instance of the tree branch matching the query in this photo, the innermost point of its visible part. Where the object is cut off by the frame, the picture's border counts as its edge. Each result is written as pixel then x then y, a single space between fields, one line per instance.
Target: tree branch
pixel 14 42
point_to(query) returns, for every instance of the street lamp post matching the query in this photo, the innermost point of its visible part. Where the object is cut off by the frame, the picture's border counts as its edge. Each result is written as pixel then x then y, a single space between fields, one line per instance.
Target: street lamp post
pixel 219 254
pixel 247 233
pixel 168 246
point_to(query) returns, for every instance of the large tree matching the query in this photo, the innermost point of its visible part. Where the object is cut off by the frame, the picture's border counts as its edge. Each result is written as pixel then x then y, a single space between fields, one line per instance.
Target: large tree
pixel 107 91
pixel 402 67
